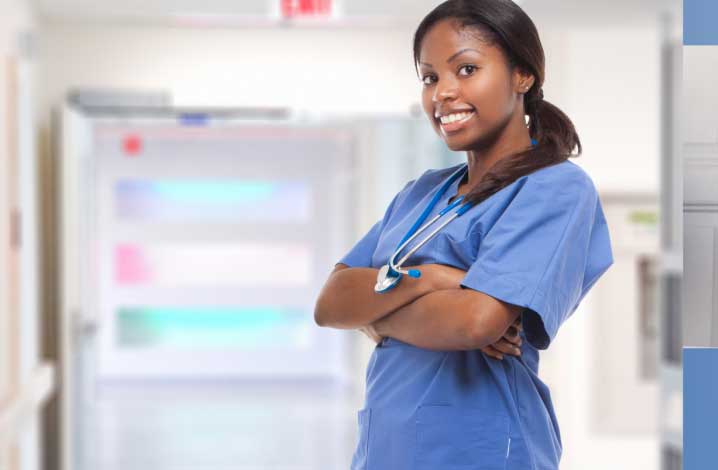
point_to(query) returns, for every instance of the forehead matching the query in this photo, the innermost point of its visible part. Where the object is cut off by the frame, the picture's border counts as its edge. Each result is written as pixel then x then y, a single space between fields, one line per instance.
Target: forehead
pixel 447 37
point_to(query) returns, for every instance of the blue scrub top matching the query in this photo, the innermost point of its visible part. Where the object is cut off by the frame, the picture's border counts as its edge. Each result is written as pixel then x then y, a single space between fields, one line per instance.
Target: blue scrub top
pixel 541 243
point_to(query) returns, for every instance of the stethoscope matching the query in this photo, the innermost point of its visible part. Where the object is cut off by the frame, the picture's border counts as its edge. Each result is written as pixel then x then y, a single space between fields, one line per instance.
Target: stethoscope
pixel 390 274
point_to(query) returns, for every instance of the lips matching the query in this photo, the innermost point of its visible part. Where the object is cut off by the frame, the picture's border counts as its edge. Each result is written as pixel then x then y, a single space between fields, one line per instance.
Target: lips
pixel 440 112
pixel 456 121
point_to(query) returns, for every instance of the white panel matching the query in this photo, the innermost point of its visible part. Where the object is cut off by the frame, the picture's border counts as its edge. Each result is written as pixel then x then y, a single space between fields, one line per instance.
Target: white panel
pixel 699 279
pixel 76 140
pixel 624 383
pixel 701 174
pixel 583 81
pixel 700 95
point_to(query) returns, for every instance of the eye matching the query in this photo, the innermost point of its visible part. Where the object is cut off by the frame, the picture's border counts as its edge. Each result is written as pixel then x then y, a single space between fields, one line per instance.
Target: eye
pixel 469 68
pixel 426 79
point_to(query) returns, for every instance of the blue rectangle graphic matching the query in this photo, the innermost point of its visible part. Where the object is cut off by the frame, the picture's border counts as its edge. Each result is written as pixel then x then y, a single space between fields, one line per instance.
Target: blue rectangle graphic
pixel 700 408
pixel 700 22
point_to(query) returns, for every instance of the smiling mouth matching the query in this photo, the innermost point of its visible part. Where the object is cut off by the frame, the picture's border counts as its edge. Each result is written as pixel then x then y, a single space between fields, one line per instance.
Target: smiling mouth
pixel 455 122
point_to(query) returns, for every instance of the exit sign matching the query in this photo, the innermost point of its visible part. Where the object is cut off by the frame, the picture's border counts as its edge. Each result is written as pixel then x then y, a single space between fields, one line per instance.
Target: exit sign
pixel 305 8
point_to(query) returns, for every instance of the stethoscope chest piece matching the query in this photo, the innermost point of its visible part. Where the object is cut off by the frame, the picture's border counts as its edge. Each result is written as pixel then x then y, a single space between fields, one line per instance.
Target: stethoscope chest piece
pixel 386 279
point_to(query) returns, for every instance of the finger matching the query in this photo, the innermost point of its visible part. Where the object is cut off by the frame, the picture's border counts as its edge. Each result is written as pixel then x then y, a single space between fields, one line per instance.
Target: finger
pixel 498 354
pixel 502 346
pixel 516 328
pixel 507 347
pixel 369 334
pixel 515 348
pixel 490 351
pixel 511 334
pixel 513 337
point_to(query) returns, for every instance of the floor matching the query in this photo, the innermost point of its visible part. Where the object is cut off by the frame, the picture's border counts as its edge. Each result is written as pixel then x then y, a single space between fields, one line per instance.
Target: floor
pixel 218 426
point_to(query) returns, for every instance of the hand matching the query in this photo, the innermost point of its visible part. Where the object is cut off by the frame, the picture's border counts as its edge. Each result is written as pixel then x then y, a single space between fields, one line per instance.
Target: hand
pixel 508 344
pixel 370 331
pixel 442 276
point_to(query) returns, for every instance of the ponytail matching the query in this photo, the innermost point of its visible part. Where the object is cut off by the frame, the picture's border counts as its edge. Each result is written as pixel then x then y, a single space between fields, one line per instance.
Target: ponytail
pixel 551 127
pixel 556 139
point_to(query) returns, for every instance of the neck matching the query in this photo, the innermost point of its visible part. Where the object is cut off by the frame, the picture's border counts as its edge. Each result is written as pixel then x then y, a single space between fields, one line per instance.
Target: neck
pixel 513 138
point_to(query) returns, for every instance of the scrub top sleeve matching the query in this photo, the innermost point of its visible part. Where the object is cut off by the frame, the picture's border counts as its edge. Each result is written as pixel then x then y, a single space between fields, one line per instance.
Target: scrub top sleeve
pixel 360 255
pixel 547 247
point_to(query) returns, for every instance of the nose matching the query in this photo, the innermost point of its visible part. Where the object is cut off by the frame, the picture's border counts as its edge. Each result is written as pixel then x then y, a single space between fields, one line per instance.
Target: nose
pixel 445 91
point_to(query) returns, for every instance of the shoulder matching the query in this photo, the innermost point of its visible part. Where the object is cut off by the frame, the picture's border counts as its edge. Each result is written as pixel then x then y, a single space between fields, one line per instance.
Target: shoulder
pixel 566 172
pixel 562 177
pixel 558 185
pixel 551 192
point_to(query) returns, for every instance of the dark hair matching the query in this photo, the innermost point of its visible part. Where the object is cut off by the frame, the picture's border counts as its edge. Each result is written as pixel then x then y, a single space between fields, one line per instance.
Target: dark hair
pixel 505 24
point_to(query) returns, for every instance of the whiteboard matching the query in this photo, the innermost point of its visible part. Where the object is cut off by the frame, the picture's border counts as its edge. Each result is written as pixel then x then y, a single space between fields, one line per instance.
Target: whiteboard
pixel 207 241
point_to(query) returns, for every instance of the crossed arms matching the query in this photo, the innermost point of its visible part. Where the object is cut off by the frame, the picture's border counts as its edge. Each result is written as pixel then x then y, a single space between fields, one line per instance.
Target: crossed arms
pixel 431 312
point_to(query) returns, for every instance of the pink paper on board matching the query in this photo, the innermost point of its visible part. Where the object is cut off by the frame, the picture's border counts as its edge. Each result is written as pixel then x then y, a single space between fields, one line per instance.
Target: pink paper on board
pixel 130 265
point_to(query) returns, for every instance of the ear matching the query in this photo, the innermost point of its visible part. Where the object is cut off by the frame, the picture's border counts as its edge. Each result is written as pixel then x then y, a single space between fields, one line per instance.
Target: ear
pixel 523 81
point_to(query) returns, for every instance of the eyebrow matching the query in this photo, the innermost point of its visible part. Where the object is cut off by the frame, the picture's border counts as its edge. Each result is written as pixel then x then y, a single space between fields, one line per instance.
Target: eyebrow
pixel 454 56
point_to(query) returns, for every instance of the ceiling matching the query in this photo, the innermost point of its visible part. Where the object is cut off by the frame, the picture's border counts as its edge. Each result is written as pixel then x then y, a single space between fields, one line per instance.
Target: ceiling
pixel 367 12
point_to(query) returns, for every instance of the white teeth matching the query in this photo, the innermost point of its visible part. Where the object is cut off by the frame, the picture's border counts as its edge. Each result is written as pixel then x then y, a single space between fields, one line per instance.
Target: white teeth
pixel 455 117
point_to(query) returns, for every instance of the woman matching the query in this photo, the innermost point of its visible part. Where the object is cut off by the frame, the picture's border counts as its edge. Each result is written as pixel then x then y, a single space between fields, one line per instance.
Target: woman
pixel 445 387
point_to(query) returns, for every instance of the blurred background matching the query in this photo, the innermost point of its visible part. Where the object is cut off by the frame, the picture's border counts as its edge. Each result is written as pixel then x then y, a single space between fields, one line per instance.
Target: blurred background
pixel 178 178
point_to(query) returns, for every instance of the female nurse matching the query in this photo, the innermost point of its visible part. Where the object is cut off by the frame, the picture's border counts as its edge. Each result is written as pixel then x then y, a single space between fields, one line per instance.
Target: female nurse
pixel 452 383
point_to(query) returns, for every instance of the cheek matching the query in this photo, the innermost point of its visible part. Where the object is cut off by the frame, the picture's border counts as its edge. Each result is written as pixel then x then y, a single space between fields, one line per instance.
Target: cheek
pixel 486 97
pixel 490 93
pixel 428 106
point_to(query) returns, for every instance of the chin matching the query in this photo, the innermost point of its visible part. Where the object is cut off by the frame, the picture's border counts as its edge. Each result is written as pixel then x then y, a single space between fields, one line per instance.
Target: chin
pixel 457 144
pixel 455 147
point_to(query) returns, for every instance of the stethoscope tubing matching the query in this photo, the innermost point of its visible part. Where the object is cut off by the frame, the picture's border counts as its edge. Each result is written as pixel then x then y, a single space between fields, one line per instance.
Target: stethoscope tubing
pixel 415 232
pixel 394 266
pixel 390 274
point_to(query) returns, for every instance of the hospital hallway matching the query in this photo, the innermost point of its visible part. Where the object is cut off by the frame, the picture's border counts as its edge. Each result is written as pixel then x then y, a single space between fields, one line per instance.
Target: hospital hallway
pixel 218 425
pixel 179 179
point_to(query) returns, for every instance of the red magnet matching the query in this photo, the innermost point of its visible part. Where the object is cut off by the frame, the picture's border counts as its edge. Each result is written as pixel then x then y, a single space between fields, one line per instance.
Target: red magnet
pixel 132 145
pixel 305 8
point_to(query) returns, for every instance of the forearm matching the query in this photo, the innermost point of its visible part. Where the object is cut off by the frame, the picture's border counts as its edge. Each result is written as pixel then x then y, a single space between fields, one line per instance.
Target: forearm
pixel 348 299
pixel 442 320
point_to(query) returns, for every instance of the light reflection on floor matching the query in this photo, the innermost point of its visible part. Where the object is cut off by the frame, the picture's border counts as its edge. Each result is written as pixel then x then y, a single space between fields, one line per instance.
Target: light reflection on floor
pixel 216 426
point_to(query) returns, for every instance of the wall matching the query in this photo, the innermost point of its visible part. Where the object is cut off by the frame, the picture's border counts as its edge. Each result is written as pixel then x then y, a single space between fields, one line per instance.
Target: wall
pixel 610 97
pixel 19 329
pixel 13 19
pixel 315 70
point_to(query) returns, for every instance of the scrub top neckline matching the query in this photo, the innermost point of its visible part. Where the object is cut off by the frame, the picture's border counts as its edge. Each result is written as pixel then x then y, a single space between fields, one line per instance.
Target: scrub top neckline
pixel 453 190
